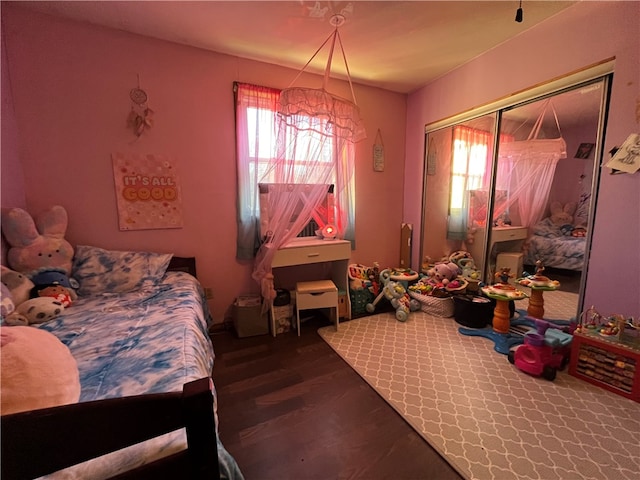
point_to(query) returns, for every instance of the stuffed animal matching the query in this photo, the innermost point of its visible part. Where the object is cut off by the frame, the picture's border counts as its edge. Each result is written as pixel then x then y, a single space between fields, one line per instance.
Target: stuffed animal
pixel 38 370
pixel 57 292
pixel 562 214
pixel 6 302
pixel 37 243
pixel 27 311
pixel 56 277
pixel 35 310
pixel 17 283
pixel 445 272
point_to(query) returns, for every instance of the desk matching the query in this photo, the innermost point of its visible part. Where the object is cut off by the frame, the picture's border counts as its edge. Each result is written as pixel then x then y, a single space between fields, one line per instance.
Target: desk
pixel 304 251
pixel 508 238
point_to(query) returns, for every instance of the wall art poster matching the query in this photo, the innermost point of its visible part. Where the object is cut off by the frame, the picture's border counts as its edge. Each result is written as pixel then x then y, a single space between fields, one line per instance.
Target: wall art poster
pixel 148 192
pixel 627 157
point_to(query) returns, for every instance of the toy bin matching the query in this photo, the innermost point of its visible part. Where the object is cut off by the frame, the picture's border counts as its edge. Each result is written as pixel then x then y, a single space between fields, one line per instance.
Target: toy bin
pixel 248 319
pixel 359 300
pixel 433 305
pixel 472 311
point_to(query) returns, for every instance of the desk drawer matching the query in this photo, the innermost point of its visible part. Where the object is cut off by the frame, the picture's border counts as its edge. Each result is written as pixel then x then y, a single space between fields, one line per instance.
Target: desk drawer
pixel 506 234
pixel 324 252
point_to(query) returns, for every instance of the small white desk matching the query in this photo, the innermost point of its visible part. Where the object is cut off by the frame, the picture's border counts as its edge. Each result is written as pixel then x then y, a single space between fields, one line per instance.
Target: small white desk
pixel 511 239
pixel 304 251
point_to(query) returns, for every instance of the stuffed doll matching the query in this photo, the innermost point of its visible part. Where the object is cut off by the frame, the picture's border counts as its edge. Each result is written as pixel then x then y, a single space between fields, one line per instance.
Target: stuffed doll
pixel 57 292
pixel 18 284
pixel 39 243
pixel 54 282
pixel 35 310
pixel 38 370
pixel 445 272
pixel 562 215
pixel 27 311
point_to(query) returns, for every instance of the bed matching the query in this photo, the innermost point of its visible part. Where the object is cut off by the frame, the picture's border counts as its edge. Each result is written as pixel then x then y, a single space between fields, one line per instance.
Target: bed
pixel 142 344
pixel 555 247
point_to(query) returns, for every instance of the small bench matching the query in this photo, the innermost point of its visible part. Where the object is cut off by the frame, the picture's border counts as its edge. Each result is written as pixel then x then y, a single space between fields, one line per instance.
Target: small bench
pixel 316 294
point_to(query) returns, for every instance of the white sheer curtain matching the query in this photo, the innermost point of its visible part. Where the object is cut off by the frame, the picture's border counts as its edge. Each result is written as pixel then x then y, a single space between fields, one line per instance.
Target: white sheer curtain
pixel 525 171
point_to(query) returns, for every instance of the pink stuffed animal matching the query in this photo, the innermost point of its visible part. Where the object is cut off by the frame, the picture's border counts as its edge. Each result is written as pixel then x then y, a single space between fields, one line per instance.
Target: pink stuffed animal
pixel 445 272
pixel 39 243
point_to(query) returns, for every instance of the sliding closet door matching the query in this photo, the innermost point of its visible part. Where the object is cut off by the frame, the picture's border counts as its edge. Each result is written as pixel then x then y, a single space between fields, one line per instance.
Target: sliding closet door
pixel 546 181
pixel 457 189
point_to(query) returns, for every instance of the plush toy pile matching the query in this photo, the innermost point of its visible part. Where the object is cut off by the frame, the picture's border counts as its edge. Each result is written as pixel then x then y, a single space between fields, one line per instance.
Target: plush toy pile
pixel 38 370
pixel 37 285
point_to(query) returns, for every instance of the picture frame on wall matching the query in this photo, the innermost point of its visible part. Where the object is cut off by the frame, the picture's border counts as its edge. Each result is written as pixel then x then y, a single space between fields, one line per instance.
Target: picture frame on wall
pixel 584 150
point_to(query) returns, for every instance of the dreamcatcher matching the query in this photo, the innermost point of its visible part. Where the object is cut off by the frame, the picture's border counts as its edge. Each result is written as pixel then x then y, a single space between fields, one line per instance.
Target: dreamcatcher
pixel 141 116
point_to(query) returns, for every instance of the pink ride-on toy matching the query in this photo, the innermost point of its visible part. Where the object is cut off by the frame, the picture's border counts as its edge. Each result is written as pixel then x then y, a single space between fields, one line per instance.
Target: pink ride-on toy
pixel 544 352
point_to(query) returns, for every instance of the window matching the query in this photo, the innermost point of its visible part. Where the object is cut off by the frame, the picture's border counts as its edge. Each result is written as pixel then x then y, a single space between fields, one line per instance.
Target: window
pixel 470 162
pixel 272 150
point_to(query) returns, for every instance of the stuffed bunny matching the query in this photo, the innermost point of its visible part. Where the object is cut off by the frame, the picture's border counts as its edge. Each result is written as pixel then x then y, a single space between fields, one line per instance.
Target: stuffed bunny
pixel 562 215
pixel 36 245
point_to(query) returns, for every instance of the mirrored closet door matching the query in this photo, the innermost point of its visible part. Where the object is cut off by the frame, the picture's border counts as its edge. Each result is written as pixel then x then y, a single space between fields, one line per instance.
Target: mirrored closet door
pixel 517 186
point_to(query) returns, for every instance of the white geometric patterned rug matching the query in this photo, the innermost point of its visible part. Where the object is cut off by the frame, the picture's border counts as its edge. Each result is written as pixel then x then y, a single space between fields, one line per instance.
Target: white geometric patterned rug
pixel 488 419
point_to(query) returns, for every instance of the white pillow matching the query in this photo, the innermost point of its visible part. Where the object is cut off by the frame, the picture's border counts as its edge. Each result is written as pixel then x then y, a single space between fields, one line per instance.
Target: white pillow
pixel 110 271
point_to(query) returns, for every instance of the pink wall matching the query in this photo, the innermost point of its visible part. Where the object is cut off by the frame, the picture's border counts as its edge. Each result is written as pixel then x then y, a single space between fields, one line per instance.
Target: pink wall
pixel 582 35
pixel 71 87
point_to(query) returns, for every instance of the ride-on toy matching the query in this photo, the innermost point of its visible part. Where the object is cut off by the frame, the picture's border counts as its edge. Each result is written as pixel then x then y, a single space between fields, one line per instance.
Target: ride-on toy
pixel 544 351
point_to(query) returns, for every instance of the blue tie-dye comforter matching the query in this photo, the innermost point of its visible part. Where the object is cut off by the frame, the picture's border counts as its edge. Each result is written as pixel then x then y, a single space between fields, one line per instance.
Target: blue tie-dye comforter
pixel 152 340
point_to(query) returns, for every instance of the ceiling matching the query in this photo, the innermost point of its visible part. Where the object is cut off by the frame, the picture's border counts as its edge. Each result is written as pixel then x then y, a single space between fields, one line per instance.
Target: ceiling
pixel 394 45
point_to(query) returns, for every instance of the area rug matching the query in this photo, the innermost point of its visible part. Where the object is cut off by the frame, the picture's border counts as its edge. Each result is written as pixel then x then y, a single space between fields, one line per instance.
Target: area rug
pixel 485 417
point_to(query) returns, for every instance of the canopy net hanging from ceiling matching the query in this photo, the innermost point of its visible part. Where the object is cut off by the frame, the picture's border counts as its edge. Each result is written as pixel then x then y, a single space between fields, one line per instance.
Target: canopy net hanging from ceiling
pixel 338 114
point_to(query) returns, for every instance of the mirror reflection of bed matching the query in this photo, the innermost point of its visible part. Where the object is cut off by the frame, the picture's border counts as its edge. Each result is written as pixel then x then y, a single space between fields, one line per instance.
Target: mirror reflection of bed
pixel 531 195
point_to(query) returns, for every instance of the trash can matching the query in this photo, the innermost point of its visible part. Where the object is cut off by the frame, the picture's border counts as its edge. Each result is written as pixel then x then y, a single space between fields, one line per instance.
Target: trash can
pixel 282 311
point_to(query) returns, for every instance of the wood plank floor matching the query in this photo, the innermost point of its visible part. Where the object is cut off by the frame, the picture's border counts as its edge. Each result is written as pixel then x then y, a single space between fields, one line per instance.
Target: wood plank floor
pixel 290 408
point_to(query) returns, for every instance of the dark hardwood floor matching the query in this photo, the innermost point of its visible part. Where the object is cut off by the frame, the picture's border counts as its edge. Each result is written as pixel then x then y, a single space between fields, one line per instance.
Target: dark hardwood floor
pixel 290 408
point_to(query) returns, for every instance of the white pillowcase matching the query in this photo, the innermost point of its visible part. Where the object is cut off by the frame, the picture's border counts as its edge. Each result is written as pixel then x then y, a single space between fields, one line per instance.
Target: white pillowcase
pixel 110 271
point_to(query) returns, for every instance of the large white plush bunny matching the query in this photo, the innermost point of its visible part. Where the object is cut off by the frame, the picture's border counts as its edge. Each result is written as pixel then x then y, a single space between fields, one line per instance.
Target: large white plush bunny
pixel 39 243
pixel 562 215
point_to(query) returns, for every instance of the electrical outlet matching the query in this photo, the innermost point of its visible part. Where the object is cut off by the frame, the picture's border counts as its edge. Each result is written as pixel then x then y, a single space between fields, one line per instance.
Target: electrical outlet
pixel 208 293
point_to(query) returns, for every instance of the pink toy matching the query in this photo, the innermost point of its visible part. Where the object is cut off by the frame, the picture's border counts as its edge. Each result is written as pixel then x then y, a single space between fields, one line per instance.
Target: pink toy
pixel 544 352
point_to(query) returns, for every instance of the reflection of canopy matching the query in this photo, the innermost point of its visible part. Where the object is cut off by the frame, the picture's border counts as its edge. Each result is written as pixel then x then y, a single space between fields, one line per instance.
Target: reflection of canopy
pixel 526 169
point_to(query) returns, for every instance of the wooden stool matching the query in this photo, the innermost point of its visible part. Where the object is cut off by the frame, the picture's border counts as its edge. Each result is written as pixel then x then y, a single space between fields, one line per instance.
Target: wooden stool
pixel 317 294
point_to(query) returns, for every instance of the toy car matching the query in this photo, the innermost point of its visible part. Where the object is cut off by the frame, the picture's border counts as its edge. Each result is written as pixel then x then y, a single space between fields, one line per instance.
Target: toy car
pixel 544 352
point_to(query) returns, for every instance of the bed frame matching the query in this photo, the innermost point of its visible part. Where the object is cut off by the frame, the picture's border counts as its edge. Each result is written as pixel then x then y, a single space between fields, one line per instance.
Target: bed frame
pixel 183 264
pixel 44 441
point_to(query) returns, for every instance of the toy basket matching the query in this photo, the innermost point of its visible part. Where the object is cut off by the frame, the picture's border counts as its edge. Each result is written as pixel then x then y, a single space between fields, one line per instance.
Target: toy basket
pixel 359 300
pixel 438 306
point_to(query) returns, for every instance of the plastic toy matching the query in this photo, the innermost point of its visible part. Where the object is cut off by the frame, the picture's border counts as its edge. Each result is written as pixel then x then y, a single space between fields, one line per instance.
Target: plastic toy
pixel 544 351
pixel 397 294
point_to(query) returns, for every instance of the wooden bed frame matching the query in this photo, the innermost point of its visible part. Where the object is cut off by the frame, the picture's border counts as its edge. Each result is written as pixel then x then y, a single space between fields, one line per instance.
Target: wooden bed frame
pixel 183 264
pixel 43 441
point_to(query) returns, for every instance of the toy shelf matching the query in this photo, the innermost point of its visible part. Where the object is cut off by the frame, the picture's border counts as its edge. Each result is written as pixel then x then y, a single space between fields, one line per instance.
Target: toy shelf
pixel 609 364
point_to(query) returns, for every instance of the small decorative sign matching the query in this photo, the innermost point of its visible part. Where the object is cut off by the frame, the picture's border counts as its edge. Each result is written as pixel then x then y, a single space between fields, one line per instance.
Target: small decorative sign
pixel 378 153
pixel 148 192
